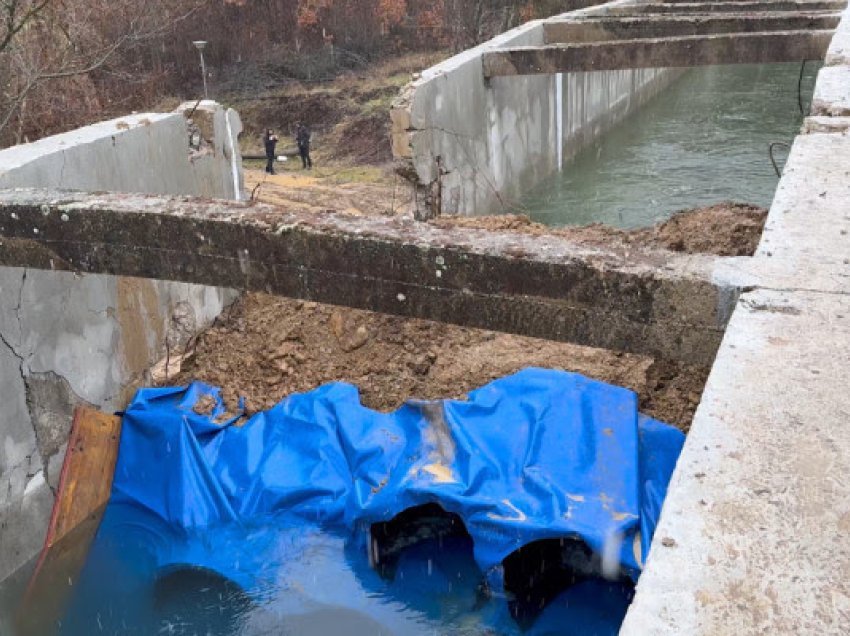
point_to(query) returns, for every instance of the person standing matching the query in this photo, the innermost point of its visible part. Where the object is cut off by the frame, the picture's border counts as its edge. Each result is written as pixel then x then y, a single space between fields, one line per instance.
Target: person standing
pixel 270 142
pixel 302 138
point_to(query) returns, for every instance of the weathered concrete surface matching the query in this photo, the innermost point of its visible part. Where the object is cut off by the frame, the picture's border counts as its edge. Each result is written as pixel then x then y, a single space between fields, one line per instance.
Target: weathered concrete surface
pixel 686 51
pixel 138 153
pixel 839 49
pixel 652 302
pixel 66 340
pixel 753 537
pixel 473 147
pixel 832 92
pixel 598 29
pixel 825 124
pixel 727 7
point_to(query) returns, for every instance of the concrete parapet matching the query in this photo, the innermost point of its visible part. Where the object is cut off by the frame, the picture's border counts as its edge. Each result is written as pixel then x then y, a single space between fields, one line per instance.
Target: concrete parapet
pixel 751 6
pixel 832 92
pixel 752 539
pixel 645 301
pixel 147 152
pixel 67 339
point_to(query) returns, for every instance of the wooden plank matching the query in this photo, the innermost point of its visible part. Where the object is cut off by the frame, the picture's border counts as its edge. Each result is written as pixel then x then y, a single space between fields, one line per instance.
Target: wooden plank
pixel 86 478
pixel 84 488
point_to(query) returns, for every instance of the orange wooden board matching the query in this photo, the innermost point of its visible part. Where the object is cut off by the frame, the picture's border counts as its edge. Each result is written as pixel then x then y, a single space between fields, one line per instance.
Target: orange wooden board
pixel 84 489
pixel 86 479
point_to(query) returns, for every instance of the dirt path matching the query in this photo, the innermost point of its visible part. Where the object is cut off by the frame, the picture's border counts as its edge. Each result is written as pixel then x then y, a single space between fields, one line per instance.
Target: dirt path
pixel 367 190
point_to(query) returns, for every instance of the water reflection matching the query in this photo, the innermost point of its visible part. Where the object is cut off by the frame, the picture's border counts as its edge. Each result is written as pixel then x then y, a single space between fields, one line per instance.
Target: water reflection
pixel 702 141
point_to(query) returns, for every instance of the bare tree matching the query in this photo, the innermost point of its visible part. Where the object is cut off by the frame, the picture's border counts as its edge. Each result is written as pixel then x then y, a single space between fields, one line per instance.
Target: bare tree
pixel 55 49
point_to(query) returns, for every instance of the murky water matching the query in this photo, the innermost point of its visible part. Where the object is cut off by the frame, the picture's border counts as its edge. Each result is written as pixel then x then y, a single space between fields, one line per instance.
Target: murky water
pixel 307 582
pixel 702 141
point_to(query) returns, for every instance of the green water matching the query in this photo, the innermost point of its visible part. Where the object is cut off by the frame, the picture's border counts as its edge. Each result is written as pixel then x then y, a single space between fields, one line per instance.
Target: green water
pixel 702 141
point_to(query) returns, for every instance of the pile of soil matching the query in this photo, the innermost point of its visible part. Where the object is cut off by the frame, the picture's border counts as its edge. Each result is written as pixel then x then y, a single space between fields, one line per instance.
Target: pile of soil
pixel 725 229
pixel 267 348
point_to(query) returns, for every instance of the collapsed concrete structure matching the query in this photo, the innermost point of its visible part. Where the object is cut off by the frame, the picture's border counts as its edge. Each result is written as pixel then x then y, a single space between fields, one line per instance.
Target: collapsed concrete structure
pixel 67 339
pixel 752 535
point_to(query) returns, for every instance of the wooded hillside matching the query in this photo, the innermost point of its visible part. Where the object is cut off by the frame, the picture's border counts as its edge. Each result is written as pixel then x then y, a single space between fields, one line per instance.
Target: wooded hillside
pixel 64 63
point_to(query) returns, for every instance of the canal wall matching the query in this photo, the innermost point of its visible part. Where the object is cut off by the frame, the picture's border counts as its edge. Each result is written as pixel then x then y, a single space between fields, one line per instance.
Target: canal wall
pixel 68 339
pixel 147 153
pixel 753 535
pixel 473 146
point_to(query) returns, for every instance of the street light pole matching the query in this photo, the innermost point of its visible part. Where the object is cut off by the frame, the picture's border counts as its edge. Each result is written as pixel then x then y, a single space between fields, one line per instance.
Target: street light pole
pixel 200 45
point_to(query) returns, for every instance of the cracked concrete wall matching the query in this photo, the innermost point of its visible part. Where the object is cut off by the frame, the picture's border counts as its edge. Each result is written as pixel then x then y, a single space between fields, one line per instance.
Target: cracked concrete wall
pixel 144 153
pixel 475 147
pixel 67 339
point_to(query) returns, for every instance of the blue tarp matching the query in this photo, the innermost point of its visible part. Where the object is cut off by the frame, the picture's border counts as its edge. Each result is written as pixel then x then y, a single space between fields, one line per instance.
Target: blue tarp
pixel 537 455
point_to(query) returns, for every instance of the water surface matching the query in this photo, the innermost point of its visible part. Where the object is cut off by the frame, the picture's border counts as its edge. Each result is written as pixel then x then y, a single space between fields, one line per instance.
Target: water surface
pixel 702 141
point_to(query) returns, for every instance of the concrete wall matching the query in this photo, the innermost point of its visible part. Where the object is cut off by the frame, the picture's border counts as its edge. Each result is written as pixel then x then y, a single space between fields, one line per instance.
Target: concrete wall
pixel 753 538
pixel 146 153
pixel 67 339
pixel 474 147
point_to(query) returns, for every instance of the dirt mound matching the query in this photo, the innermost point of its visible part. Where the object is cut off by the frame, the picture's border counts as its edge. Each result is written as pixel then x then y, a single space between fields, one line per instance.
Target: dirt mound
pixel 363 140
pixel 725 229
pixel 268 348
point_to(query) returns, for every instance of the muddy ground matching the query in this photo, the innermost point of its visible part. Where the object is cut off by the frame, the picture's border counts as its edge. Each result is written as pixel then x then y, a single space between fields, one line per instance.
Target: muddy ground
pixel 267 348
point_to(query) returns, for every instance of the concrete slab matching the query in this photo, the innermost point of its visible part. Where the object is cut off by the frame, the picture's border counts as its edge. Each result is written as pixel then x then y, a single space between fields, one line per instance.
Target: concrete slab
pixel 806 241
pixel 753 537
pixel 654 301
pixel 825 124
pixel 832 92
pixel 598 29
pixel 839 50
pixel 681 52
pixel 754 6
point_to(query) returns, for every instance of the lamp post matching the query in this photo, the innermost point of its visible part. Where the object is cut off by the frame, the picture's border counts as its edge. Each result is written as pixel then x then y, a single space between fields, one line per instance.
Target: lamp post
pixel 201 45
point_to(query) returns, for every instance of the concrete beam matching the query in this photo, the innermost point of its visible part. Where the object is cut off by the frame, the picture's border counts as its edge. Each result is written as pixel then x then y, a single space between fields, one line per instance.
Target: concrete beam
pixel 832 92
pixel 700 50
pixel 750 6
pixel 600 29
pixel 651 302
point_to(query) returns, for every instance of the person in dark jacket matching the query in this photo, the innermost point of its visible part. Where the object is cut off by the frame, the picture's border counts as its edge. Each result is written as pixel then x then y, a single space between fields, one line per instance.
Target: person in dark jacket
pixel 270 141
pixel 302 138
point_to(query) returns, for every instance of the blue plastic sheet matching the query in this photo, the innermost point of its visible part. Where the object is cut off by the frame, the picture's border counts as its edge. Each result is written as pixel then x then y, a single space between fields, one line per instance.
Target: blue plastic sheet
pixel 274 504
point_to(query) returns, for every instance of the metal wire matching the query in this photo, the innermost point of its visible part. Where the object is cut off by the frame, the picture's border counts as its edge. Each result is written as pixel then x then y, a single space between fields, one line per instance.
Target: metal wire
pixel 773 159
pixel 800 87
